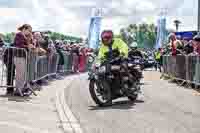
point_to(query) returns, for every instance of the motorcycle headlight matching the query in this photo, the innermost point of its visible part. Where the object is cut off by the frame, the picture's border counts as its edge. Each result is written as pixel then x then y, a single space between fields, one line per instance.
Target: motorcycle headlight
pixel 137 67
pixel 90 59
pixel 130 64
pixel 102 69
pixel 136 61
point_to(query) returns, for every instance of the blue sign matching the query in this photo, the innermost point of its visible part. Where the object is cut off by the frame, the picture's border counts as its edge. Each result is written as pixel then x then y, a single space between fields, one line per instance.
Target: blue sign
pixel 186 34
pixel 94 32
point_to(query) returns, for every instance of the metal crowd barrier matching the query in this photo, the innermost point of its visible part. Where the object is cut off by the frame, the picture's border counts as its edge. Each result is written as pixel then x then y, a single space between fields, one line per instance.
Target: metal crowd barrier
pixel 21 68
pixel 183 67
pixel 53 64
pixel 71 62
pixel 68 60
pixel 14 70
pixel 41 67
pixel 75 62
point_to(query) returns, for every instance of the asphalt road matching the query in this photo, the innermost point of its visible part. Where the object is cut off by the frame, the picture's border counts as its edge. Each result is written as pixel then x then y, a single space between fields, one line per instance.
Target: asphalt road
pixel 161 108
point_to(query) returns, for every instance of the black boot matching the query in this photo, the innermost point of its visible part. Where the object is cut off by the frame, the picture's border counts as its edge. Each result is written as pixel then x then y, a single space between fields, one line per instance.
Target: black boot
pixel 10 91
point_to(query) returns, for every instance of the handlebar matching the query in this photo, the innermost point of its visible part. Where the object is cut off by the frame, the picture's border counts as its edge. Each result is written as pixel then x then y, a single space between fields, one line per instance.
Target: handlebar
pixel 115 59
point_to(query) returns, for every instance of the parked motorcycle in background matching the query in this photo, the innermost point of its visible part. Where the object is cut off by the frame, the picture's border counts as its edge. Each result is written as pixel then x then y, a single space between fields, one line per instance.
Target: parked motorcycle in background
pixel 150 62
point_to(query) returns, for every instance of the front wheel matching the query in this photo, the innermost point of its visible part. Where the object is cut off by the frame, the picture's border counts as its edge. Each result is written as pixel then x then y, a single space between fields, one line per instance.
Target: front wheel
pixel 100 93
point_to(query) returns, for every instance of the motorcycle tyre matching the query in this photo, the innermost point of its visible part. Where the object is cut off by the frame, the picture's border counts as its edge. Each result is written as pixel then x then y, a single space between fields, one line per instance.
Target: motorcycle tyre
pixel 96 99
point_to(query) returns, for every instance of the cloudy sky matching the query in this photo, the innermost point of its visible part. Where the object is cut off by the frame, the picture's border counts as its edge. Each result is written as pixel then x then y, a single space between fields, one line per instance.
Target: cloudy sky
pixel 73 16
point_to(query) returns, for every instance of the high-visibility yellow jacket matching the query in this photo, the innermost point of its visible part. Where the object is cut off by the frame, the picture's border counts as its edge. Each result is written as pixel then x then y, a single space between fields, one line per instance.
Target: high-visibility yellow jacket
pixel 117 44
pixel 158 55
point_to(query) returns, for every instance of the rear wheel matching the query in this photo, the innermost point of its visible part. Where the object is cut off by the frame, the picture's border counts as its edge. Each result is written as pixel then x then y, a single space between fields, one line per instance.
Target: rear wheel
pixel 100 93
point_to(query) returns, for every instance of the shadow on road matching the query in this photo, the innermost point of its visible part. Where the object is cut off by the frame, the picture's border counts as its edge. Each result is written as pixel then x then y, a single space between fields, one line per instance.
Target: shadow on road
pixel 122 105
pixel 43 83
pixel 16 98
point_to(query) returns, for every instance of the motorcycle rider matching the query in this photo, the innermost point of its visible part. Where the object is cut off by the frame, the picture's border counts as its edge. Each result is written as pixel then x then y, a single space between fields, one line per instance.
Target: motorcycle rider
pixel 134 51
pixel 109 43
pixel 158 57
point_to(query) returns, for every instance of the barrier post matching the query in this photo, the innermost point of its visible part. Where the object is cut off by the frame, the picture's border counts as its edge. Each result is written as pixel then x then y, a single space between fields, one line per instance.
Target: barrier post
pixel 197 74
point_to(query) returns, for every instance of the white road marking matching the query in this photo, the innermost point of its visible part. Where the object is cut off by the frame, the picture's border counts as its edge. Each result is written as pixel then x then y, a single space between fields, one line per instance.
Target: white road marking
pixel 64 121
pixel 74 122
pixel 69 122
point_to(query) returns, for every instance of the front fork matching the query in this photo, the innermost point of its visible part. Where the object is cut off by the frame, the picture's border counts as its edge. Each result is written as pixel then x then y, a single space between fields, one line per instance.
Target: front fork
pixel 124 74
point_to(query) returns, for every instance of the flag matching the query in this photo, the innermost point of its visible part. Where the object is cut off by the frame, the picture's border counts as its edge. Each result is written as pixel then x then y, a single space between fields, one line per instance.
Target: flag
pixel 161 32
pixel 94 32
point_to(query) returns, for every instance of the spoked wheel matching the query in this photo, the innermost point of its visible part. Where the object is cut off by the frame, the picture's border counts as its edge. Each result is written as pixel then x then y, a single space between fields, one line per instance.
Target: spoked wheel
pixel 100 93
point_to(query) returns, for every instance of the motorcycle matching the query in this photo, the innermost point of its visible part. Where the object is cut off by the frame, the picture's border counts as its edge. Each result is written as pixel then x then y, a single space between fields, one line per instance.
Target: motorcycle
pixel 91 60
pixel 150 63
pixel 137 60
pixel 114 79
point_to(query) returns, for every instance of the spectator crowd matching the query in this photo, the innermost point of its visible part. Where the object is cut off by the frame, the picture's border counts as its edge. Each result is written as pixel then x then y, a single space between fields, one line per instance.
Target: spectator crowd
pixel 40 44
pixel 181 45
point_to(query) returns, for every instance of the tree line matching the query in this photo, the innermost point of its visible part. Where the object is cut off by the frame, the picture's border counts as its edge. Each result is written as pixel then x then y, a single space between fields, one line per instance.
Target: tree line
pixel 9 37
pixel 142 34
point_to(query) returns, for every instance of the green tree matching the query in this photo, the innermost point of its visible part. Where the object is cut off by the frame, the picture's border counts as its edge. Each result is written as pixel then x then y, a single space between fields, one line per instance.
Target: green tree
pixel 58 36
pixel 143 34
pixel 9 37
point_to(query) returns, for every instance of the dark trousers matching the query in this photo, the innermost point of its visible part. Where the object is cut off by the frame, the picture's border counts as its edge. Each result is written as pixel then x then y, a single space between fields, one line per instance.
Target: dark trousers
pixel 159 64
pixel 8 59
pixel 10 76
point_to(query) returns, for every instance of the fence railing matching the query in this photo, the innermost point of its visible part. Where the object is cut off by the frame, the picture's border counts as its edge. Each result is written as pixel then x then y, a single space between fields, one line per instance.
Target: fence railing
pixel 20 68
pixel 183 67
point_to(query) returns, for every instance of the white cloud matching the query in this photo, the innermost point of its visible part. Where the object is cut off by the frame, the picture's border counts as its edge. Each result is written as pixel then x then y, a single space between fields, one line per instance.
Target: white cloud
pixel 73 16
pixel 130 2
pixel 115 23
pixel 8 12
pixel 80 3
pixel 145 6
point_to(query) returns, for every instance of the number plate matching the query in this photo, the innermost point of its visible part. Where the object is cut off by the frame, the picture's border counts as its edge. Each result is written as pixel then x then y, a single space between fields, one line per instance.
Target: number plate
pixel 150 62
pixel 137 61
pixel 115 67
